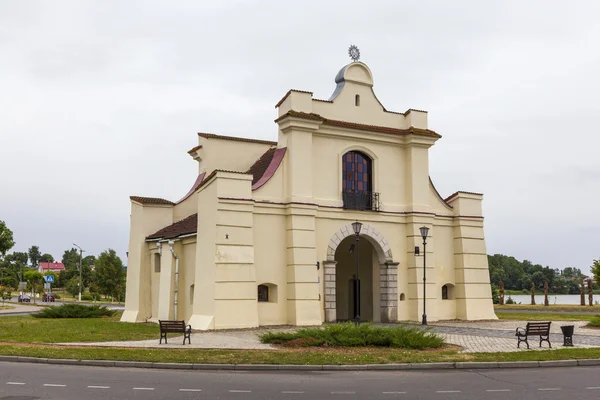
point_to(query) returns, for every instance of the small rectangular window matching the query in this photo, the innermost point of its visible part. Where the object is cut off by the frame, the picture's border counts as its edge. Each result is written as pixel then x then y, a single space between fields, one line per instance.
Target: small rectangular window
pixel 263 293
pixel 157 263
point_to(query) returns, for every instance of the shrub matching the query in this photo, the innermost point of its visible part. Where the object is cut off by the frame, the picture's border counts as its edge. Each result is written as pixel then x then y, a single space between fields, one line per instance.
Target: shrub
pixel 595 321
pixel 75 311
pixel 350 335
pixel 509 300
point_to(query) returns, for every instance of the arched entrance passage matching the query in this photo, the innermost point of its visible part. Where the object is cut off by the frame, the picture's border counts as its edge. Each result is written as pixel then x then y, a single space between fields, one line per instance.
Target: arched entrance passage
pixel 377 270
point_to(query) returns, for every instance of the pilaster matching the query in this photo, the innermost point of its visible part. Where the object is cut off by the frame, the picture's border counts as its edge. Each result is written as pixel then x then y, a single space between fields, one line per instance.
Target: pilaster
pixel 330 291
pixel 388 278
pixel 303 305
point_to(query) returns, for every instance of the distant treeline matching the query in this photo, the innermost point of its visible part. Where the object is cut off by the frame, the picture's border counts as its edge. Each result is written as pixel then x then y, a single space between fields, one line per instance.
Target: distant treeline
pixel 518 275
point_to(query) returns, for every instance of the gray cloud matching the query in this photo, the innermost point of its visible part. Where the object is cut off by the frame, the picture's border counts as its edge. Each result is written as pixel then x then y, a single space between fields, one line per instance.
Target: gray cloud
pixel 101 100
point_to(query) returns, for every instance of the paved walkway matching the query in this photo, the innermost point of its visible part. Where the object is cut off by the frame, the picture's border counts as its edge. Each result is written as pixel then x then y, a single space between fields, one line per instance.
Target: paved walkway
pixel 19 308
pixel 485 336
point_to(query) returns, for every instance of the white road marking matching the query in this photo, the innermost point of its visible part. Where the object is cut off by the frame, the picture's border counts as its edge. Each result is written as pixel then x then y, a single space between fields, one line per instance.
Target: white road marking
pixel 15 383
pixel 343 392
pixel 190 390
pixel 291 392
pixel 240 391
pixel 549 389
pixel 498 390
pixel 593 388
pixel 99 387
pixel 448 391
pixel 393 392
pixel 142 388
pixel 53 385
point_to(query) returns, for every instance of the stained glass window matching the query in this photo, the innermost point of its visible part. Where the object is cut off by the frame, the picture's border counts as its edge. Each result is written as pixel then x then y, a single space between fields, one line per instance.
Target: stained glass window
pixel 356 172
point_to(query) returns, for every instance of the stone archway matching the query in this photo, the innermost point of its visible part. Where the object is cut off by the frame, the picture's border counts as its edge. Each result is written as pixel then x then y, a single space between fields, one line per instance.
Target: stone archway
pixel 388 272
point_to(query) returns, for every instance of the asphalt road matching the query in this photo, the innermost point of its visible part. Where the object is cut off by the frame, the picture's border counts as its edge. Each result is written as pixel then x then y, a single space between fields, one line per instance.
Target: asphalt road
pixel 34 381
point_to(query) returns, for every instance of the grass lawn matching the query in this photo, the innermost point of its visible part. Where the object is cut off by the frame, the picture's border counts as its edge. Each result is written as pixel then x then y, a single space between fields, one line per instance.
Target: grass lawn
pixel 26 329
pixel 540 307
pixel 304 356
pixel 545 317
pixel 6 307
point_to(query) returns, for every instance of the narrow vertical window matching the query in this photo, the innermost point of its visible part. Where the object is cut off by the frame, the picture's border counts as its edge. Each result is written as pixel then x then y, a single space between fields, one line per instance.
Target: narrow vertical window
pixel 357 100
pixel 445 292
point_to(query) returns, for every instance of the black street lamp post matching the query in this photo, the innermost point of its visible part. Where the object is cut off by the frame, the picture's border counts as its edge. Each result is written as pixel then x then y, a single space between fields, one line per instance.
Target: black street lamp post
pixel 424 231
pixel 356 226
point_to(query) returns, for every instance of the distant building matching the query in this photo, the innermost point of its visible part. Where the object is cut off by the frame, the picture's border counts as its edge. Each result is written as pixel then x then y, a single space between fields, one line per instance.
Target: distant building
pixel 56 267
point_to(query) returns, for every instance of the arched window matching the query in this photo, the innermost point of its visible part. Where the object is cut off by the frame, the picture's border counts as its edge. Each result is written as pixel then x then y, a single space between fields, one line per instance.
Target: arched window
pixel 448 292
pixel 357 181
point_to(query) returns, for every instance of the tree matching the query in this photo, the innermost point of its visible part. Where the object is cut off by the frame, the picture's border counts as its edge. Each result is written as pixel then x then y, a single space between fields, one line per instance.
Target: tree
pixel 34 256
pixel 110 275
pixel 34 281
pixel 72 286
pixel 70 259
pixel 6 239
pixel 5 294
pixel 46 258
pixel 596 271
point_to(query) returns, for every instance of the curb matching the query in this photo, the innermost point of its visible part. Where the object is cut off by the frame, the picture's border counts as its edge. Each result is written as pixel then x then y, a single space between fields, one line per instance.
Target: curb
pixel 292 367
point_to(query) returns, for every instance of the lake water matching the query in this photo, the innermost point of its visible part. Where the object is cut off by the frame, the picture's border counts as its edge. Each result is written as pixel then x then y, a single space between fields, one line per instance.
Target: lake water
pixel 552 299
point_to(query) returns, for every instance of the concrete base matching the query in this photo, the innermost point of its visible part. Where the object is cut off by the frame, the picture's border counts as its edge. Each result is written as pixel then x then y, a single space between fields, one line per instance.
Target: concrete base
pixel 202 322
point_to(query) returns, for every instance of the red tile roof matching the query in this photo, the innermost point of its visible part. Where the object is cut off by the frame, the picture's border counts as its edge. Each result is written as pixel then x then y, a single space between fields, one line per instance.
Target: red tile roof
pixel 258 169
pixel 234 138
pixel 52 265
pixel 150 200
pixel 352 125
pixel 186 226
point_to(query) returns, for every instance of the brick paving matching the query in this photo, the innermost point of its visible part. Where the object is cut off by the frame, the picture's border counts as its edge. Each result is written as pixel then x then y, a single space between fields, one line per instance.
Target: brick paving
pixel 484 337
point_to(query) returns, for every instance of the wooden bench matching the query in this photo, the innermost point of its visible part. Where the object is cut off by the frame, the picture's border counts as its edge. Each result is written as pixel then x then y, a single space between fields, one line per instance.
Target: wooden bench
pixel 174 327
pixel 541 329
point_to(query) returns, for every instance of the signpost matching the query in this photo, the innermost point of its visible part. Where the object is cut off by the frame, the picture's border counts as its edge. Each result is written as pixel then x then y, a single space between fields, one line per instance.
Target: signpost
pixel 49 281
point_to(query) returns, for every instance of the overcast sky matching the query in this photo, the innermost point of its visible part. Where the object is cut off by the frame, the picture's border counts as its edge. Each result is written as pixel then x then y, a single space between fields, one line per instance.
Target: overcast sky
pixel 100 100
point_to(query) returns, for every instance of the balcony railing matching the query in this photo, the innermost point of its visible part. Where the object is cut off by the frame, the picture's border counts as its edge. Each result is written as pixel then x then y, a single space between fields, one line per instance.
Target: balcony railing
pixel 363 201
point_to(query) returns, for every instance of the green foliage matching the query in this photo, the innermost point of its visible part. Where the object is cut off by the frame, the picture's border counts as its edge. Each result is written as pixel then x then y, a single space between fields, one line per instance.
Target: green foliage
pixel 495 294
pixel 596 271
pixel 75 311
pixel 46 258
pixel 109 273
pixel 518 275
pixel 350 335
pixel 35 281
pixel 509 300
pixel 34 256
pixel 90 297
pixel 72 286
pixel 595 321
pixel 6 239
pixel 5 294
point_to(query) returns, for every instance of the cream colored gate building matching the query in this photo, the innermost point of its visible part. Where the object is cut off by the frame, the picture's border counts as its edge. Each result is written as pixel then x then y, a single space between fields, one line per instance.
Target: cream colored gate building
pixel 264 235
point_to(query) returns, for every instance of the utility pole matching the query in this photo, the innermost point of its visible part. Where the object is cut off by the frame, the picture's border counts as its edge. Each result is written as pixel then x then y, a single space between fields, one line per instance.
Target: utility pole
pixel 80 260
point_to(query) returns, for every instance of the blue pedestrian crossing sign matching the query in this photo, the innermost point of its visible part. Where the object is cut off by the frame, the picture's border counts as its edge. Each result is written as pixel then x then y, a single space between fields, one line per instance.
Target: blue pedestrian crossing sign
pixel 49 278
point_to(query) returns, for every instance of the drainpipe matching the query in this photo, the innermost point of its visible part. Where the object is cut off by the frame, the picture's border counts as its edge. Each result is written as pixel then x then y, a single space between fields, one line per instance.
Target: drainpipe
pixel 171 243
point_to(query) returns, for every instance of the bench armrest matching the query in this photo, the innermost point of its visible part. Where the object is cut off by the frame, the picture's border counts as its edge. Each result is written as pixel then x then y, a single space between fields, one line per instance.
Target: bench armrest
pixel 520 331
pixel 188 328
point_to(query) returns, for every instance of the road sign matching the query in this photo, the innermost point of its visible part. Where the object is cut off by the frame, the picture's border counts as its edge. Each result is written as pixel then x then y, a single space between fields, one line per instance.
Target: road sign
pixel 46 286
pixel 49 278
pixel 22 285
